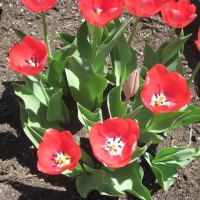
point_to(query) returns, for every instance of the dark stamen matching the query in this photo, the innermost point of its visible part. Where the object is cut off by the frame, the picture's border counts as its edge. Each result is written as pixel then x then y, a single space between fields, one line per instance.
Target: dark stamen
pixel 114 138
pixel 119 140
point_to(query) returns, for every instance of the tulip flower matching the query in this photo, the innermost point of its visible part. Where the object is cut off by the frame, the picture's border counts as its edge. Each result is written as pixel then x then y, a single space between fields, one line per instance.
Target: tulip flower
pixel 57 152
pixel 39 5
pixel 164 91
pixel 98 12
pixel 114 141
pixel 28 58
pixel 144 8
pixel 178 14
pixel 132 84
pixel 197 42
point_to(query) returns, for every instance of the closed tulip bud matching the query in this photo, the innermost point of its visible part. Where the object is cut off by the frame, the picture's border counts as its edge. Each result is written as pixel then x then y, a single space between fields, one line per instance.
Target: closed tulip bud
pixel 132 84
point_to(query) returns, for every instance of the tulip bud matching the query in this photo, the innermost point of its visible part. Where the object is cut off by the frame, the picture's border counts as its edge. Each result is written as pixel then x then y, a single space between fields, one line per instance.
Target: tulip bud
pixel 132 84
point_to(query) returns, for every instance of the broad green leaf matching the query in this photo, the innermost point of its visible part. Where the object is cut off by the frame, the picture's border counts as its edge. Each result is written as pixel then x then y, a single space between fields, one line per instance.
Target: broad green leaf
pixel 66 38
pixel 84 48
pixel 128 178
pixel 37 112
pixel 65 52
pixel 106 47
pixel 86 159
pixel 75 172
pixel 150 57
pixel 94 180
pixel 57 110
pixel 33 136
pixel 54 73
pixel 146 137
pixel 164 174
pixel 173 48
pixel 91 31
pixel 94 117
pixel 19 33
pixel 174 156
pixel 162 121
pixel 160 50
pixel 139 152
pixel 35 88
pixel 114 103
pixel 134 113
pixel 85 85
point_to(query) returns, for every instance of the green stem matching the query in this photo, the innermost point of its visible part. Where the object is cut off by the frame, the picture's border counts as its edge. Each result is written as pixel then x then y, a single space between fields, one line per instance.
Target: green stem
pixel 95 39
pixel 127 100
pixel 133 29
pixel 42 88
pixel 45 33
pixel 172 35
pixel 193 74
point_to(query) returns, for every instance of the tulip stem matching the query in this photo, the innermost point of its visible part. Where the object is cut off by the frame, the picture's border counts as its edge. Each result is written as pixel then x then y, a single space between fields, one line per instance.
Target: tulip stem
pixel 94 45
pixel 172 35
pixel 45 33
pixel 42 88
pixel 133 29
pixel 126 102
pixel 193 75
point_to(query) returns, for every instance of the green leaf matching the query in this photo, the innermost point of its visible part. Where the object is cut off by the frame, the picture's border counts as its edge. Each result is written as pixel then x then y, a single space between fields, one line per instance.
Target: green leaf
pixel 128 178
pixel 33 136
pixel 85 85
pixel 66 38
pixel 54 73
pixel 57 110
pixel 86 159
pixel 173 48
pixel 75 172
pixel 114 103
pixel 93 117
pixel 139 152
pixel 134 113
pixel 160 50
pixel 37 112
pixel 19 33
pixel 174 156
pixel 106 47
pixel 84 48
pixel 179 66
pixel 94 180
pixel 150 57
pixel 164 174
pixel 162 121
pixel 146 137
pixel 65 52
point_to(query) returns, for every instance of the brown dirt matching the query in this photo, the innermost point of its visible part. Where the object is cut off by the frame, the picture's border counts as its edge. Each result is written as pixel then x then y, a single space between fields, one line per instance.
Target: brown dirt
pixel 19 177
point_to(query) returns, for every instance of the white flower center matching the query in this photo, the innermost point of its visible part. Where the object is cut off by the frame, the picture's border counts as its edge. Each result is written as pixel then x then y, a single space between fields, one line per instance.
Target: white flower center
pixel 159 100
pixel 114 146
pixel 32 62
pixel 61 159
pixel 98 10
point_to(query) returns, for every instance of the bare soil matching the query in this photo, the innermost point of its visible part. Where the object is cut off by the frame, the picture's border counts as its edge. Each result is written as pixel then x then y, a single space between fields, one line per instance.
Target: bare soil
pixel 19 177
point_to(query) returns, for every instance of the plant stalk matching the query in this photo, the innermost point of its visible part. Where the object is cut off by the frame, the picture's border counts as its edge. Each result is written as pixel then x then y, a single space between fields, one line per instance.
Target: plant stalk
pixel 193 74
pixel 126 102
pixel 94 45
pixel 45 34
pixel 133 30
pixel 172 35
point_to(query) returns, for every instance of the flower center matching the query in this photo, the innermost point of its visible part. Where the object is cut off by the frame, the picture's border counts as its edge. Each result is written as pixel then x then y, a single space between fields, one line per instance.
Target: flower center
pixel 98 10
pixel 61 159
pixel 159 100
pixel 114 146
pixel 32 62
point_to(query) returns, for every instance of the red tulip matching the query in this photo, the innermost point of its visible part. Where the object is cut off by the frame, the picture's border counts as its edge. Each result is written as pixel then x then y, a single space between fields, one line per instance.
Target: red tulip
pixel 197 42
pixel 114 141
pixel 100 12
pixel 178 14
pixel 29 57
pixel 57 152
pixel 39 5
pixel 143 8
pixel 132 84
pixel 164 91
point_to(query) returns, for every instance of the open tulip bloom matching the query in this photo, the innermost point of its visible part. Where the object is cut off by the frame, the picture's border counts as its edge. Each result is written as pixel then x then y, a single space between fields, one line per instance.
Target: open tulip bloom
pixel 144 103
